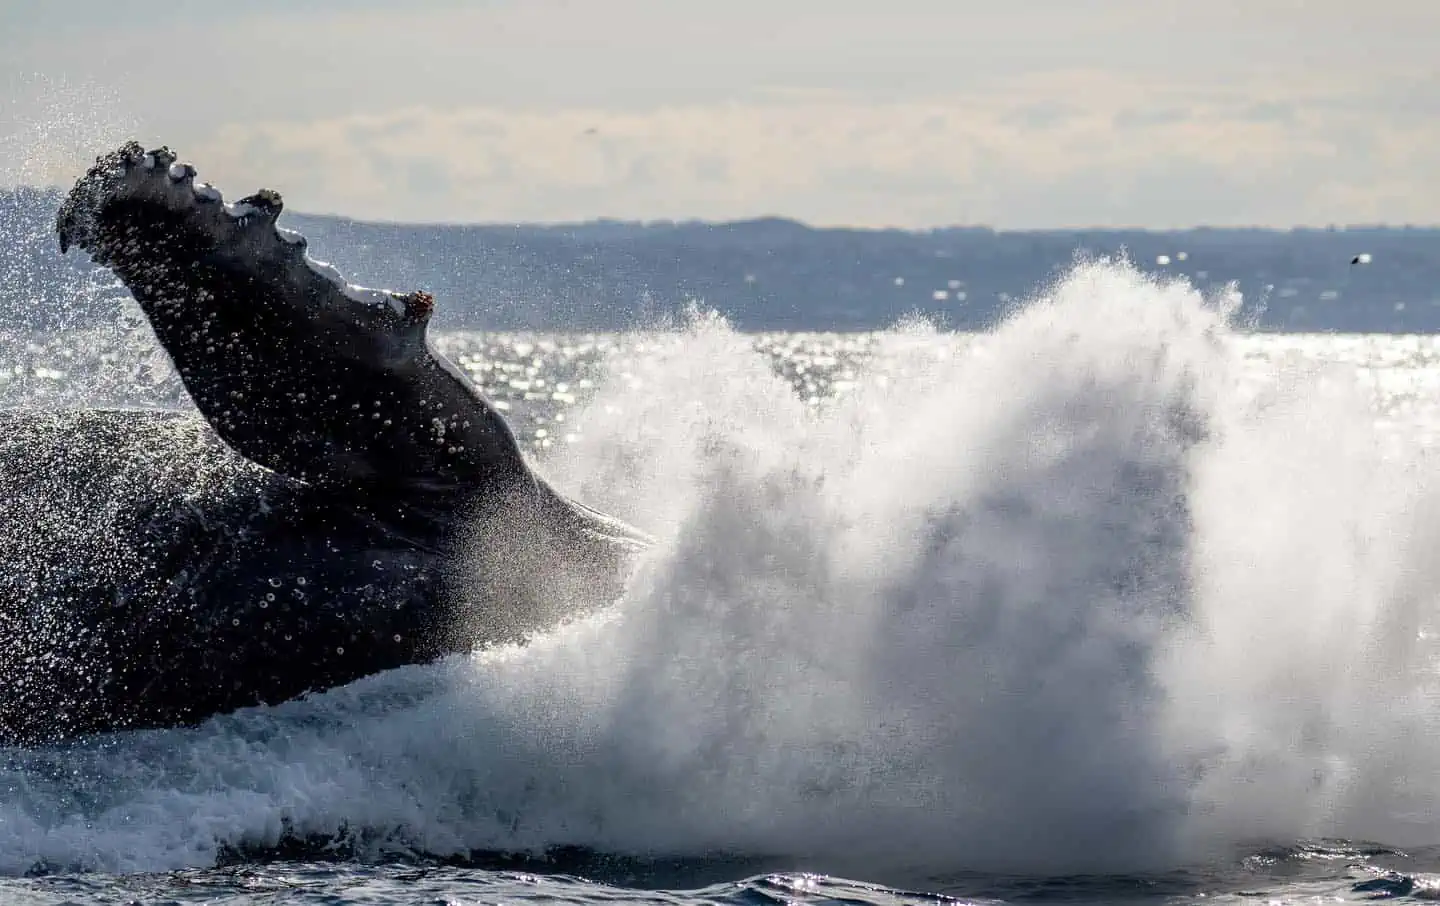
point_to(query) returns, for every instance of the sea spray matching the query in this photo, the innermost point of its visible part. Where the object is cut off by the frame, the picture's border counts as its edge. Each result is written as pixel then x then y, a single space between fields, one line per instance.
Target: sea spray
pixel 917 623
pixel 1090 592
pixel 1302 689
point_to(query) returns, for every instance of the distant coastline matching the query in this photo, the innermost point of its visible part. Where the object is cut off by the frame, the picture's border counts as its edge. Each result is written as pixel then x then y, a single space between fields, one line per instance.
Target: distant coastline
pixel 773 273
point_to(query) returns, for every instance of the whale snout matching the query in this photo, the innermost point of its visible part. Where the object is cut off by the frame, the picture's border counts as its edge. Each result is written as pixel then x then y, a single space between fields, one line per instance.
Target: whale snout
pixel 133 202
pixel 296 368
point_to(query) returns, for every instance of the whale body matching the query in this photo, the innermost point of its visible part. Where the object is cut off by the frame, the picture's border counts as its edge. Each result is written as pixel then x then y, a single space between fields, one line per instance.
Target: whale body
pixel 347 501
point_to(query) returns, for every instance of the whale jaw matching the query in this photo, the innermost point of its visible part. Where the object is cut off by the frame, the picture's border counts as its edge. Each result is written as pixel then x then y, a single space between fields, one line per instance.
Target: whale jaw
pixel 296 369
pixel 133 177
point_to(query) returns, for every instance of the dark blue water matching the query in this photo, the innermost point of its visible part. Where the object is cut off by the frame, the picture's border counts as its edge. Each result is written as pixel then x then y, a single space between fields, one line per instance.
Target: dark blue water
pixel 1323 871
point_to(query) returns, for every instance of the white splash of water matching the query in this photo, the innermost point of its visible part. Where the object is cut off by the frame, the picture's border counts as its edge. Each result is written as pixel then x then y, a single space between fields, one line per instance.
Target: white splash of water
pixel 53 127
pixel 1081 594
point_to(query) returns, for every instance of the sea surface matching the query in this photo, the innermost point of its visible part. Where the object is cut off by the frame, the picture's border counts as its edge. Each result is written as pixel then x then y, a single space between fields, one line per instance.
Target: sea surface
pixel 775 274
pixel 1117 602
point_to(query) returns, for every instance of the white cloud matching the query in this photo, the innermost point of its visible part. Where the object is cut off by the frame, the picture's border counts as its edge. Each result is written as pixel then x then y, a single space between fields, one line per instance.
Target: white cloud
pixel 1094 158
pixel 911 112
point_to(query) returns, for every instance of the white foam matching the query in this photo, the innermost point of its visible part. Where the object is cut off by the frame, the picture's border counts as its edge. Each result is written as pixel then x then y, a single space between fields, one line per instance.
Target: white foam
pixel 896 629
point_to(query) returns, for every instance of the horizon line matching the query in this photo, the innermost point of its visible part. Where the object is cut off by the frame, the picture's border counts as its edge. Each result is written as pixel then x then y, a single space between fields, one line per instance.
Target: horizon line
pixel 668 222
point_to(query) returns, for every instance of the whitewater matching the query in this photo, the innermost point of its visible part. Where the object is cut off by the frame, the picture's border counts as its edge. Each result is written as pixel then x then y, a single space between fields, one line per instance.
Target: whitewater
pixel 1116 590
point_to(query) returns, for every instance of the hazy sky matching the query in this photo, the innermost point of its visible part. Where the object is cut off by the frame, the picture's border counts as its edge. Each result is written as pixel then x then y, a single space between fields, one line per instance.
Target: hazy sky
pixel 1027 113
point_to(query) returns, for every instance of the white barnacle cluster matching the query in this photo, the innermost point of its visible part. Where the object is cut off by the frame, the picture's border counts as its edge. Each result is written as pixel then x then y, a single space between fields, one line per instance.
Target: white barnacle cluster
pixel 179 172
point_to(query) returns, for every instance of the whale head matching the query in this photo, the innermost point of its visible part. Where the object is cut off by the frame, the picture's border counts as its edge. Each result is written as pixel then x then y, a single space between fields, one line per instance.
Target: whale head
pixel 295 368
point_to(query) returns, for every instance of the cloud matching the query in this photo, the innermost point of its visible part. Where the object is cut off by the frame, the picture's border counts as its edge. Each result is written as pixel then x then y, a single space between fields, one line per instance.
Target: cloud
pixel 909 113
pixel 1182 157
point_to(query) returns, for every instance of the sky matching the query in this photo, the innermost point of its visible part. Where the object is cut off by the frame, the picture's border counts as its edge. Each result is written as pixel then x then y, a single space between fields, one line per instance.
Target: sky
pixel 877 113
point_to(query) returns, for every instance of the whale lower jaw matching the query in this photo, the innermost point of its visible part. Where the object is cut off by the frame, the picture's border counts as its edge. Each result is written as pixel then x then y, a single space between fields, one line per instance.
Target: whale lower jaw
pixel 295 368
pixel 132 174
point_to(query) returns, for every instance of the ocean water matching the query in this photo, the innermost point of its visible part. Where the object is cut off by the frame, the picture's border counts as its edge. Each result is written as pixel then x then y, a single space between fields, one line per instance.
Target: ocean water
pixel 1116 602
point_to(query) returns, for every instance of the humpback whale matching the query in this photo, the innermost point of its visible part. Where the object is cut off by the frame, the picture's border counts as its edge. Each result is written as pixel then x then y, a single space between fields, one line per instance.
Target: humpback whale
pixel 347 503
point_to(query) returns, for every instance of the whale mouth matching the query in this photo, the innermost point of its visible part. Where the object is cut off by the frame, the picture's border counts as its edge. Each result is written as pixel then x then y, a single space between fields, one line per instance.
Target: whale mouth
pixel 131 185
